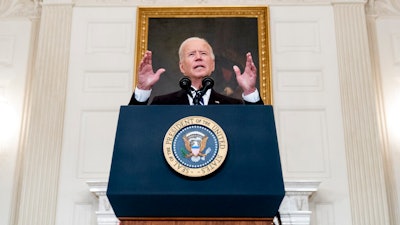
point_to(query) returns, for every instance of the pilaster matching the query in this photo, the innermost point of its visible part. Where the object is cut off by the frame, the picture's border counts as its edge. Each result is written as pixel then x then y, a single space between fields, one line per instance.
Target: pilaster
pixel 45 103
pixel 364 149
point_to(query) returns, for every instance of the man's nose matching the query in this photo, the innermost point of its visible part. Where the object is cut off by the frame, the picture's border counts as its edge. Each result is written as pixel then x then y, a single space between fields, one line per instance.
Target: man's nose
pixel 198 56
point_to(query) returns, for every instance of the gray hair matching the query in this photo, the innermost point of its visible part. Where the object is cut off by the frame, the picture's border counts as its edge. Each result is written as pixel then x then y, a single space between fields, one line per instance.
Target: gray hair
pixel 180 51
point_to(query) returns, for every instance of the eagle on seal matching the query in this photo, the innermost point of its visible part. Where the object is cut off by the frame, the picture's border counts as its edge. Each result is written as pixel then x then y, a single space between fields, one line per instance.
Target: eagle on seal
pixel 195 147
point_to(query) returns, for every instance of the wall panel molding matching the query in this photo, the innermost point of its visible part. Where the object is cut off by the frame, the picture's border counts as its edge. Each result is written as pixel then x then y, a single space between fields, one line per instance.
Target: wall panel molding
pixel 109 36
pixel 303 138
pixel 300 79
pixel 297 35
pixel 106 81
pixel 396 48
pixel 7 45
pixel 94 150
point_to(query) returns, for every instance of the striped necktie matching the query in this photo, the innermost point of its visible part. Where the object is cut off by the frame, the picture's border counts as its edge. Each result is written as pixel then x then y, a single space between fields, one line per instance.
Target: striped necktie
pixel 198 99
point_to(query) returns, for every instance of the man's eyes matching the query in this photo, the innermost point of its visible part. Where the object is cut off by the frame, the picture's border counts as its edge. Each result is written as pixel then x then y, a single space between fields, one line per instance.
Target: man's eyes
pixel 194 53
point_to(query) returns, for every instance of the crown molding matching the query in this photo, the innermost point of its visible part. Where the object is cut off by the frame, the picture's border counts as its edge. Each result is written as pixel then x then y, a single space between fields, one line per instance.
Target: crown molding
pixel 32 8
pixel 20 9
pixel 383 8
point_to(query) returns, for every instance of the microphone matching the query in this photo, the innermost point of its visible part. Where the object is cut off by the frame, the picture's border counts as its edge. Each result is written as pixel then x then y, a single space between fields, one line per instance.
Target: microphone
pixel 207 83
pixel 185 83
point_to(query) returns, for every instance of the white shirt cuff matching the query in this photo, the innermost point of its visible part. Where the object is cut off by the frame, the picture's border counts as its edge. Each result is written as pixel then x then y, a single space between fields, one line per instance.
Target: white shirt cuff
pixel 252 97
pixel 142 95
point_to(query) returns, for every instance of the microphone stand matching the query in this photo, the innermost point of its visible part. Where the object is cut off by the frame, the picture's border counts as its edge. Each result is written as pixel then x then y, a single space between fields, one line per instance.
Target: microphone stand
pixel 207 83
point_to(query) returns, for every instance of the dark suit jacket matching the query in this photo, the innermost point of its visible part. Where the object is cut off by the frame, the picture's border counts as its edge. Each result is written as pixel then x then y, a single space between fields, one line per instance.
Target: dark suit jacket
pixel 180 98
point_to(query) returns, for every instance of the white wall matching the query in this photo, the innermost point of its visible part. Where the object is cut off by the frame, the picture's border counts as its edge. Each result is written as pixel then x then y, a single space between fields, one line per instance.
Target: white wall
pixel 307 106
pixel 14 51
pixel 388 34
pixel 100 81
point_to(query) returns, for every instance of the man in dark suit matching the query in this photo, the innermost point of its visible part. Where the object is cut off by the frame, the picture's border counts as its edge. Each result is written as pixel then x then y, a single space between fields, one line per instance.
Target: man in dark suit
pixel 196 62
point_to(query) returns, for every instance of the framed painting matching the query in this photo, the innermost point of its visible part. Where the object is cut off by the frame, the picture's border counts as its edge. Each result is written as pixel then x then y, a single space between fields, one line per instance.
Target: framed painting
pixel 231 31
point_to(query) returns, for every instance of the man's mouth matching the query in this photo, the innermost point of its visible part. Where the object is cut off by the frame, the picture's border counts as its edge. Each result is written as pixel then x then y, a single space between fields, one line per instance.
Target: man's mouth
pixel 199 66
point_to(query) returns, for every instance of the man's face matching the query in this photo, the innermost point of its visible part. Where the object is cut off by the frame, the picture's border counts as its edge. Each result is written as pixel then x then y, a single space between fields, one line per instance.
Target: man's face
pixel 197 62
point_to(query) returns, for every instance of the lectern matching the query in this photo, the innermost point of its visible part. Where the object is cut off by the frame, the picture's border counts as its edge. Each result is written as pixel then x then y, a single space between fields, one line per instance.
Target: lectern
pixel 242 185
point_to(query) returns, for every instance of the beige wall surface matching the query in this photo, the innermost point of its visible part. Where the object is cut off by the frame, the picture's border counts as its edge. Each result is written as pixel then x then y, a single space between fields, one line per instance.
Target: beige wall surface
pixel 14 66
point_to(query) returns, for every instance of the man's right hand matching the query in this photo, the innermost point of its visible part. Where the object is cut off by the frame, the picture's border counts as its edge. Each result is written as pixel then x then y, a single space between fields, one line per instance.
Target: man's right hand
pixel 146 76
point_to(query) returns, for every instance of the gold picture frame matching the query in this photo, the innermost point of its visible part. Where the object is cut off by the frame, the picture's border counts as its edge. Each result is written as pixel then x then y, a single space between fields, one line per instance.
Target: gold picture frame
pixel 162 29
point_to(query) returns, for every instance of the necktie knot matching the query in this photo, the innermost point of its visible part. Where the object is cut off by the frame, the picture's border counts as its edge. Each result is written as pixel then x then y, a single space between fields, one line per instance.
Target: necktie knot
pixel 198 98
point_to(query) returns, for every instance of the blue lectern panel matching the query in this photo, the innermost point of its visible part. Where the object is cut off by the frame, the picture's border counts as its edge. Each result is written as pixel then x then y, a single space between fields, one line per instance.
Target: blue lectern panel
pixel 248 184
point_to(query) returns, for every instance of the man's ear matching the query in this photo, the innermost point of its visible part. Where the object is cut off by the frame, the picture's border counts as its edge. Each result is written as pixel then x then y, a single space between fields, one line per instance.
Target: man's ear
pixel 181 68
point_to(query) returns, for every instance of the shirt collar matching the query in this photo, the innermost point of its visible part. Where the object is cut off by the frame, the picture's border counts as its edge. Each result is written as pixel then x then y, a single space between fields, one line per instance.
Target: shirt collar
pixel 206 97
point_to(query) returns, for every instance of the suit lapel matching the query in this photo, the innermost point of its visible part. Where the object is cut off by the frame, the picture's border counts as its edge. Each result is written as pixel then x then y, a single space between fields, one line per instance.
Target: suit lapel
pixel 214 98
pixel 181 98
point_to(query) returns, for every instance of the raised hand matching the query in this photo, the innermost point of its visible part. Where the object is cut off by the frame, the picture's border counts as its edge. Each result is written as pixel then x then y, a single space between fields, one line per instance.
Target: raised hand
pixel 146 75
pixel 247 79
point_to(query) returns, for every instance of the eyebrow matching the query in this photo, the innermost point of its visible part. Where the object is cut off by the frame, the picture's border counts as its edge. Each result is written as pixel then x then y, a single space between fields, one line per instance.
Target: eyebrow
pixel 201 51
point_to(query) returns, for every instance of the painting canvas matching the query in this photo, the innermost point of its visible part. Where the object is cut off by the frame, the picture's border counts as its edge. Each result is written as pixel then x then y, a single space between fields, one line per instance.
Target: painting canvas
pixel 232 32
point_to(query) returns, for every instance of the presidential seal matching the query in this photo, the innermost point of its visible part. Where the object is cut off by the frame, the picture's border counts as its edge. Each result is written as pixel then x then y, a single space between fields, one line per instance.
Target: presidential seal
pixel 195 146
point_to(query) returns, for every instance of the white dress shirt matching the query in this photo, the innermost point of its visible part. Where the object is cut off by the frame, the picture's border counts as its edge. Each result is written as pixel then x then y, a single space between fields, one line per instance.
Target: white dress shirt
pixel 144 95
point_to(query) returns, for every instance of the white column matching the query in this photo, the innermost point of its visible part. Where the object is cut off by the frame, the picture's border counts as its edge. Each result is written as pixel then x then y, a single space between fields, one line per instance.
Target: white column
pixel 36 199
pixel 364 151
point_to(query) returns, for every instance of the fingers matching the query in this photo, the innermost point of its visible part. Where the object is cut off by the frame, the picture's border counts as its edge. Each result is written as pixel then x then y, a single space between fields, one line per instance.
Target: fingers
pixel 154 79
pixel 249 63
pixel 247 80
pixel 148 57
pixel 159 72
pixel 146 60
pixel 146 76
pixel 249 59
pixel 237 70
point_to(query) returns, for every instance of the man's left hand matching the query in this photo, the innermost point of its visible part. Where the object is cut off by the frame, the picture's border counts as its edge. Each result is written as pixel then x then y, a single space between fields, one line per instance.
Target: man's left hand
pixel 247 79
